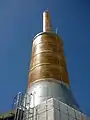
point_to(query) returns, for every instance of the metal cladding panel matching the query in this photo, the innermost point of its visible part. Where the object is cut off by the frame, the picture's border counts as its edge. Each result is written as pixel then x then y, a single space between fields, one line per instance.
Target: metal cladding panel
pixel 78 114
pixel 48 110
pixel 56 114
pixel 71 118
pixel 63 116
pixel 37 40
pixel 52 103
pixel 41 116
pixel 50 114
pixel 71 111
pixel 63 108
pixel 35 110
pixel 47 70
pixel 47 59
pixel 41 108
pixel 43 44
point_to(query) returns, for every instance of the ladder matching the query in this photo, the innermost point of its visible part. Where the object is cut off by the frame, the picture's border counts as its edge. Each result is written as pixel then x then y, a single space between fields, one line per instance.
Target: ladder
pixel 21 104
pixel 29 112
pixel 17 106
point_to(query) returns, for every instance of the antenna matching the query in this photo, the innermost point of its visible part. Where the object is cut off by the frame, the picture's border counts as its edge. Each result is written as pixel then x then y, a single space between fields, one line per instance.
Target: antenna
pixel 56 30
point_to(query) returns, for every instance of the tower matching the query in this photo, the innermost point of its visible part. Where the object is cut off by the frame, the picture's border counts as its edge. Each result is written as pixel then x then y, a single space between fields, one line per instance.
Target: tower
pixel 48 76
pixel 48 95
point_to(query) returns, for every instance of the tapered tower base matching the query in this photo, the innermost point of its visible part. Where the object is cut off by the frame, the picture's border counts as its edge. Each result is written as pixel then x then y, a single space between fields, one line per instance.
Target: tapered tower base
pixel 46 89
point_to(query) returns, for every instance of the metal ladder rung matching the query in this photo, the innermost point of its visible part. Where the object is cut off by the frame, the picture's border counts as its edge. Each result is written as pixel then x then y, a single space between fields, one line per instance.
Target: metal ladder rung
pixel 23 104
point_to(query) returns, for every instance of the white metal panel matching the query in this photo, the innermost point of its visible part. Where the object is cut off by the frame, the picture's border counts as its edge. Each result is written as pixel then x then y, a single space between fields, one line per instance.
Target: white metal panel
pixel 71 118
pixel 63 108
pixel 30 115
pixel 35 110
pixel 32 118
pixel 63 116
pixel 50 114
pixel 53 109
pixel 71 111
pixel 56 114
pixel 41 116
pixel 41 108
pixel 56 104
pixel 77 114
pixel 50 104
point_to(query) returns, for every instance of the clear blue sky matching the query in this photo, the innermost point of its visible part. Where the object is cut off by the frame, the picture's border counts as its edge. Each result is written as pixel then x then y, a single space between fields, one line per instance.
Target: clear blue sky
pixel 20 20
